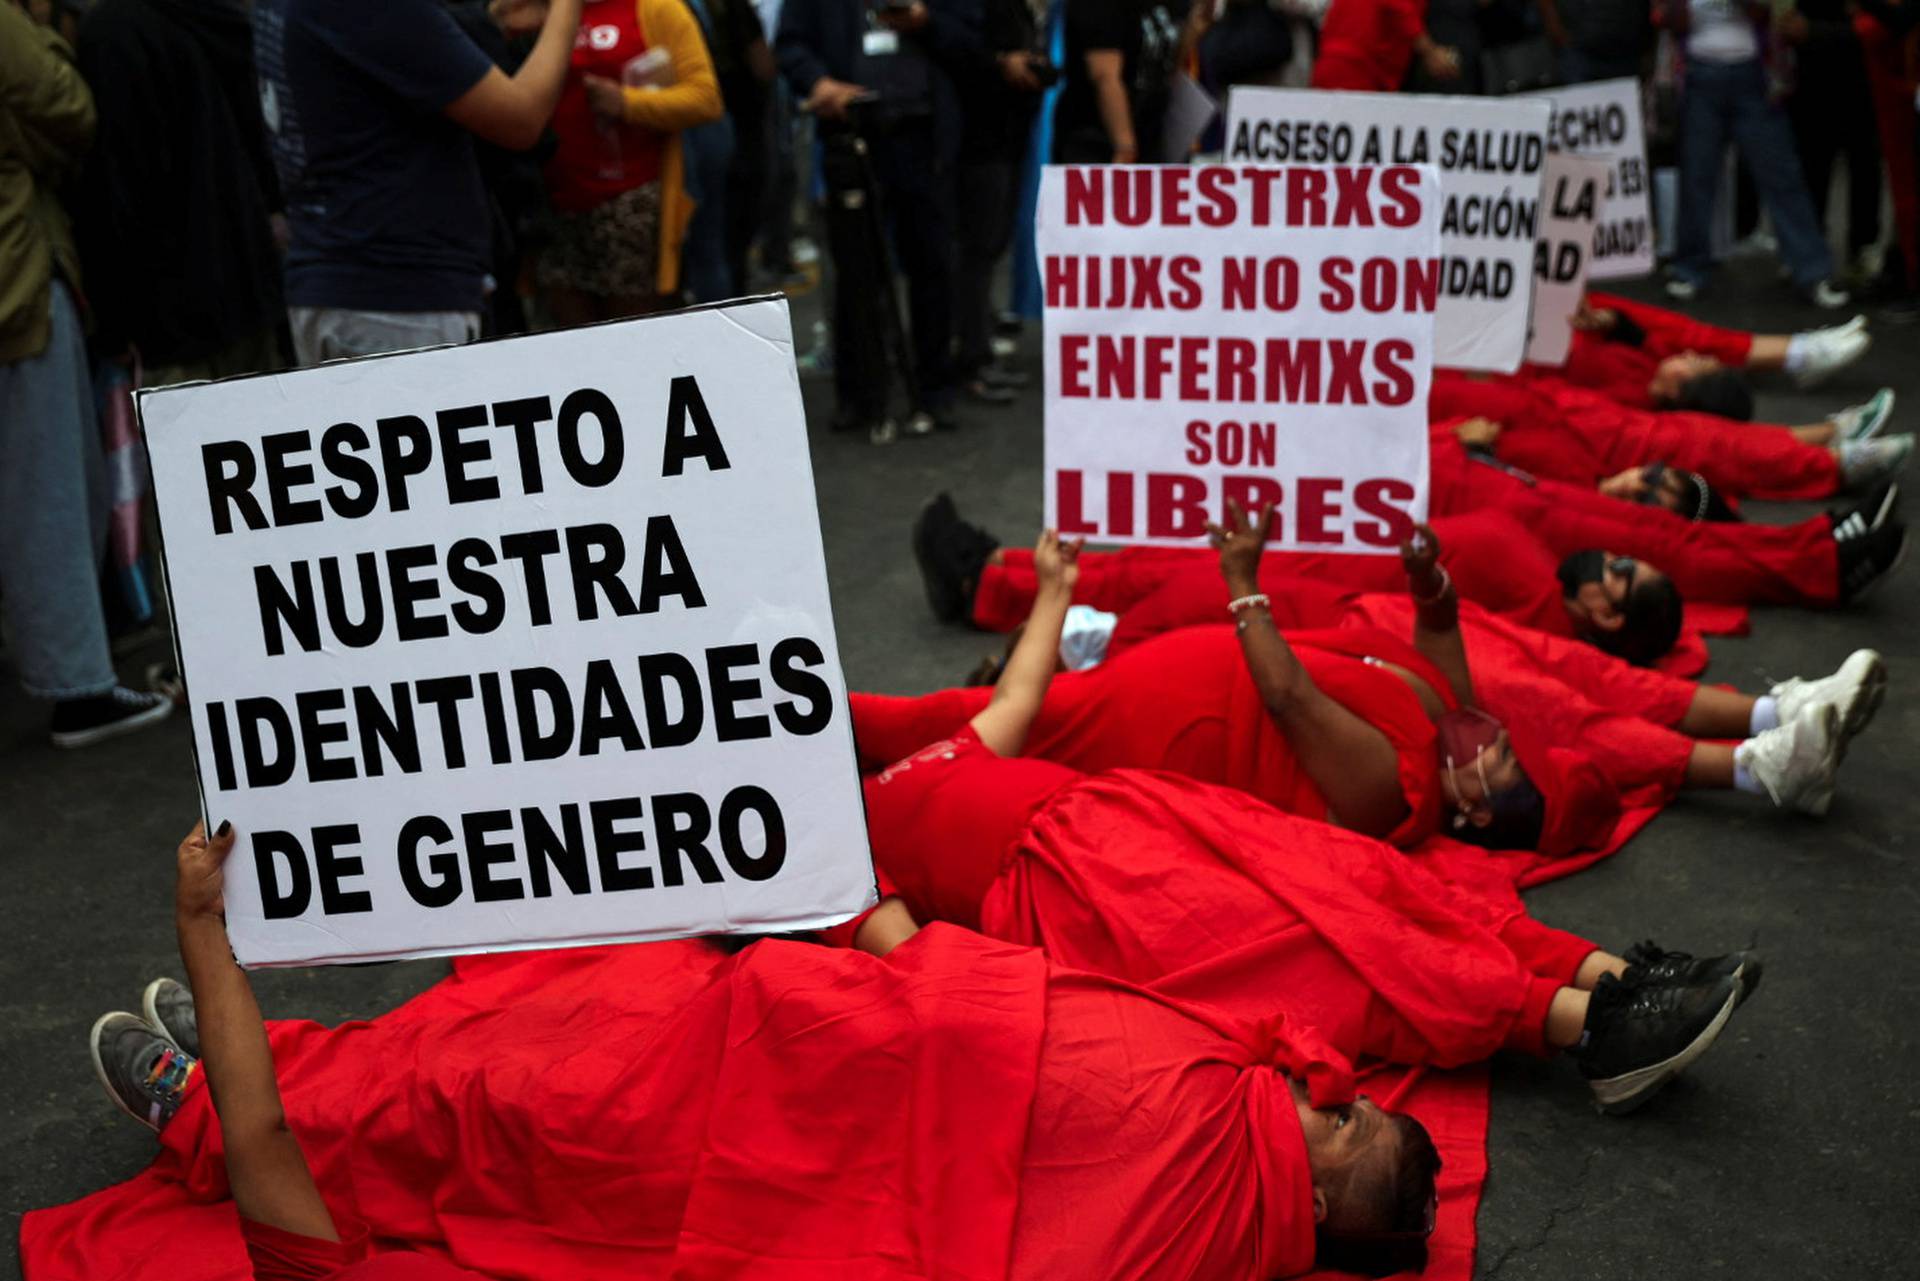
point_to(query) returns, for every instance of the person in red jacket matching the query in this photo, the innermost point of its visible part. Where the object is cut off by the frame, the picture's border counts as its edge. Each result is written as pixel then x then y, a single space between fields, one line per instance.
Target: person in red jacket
pixel 666 1110
pixel 1368 45
pixel 1650 358
pixel 1203 890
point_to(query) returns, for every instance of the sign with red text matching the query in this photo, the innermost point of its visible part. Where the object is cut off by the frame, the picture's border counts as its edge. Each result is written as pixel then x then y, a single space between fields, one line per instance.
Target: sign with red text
pixel 519 644
pixel 1602 121
pixel 1231 332
pixel 1561 260
pixel 1490 153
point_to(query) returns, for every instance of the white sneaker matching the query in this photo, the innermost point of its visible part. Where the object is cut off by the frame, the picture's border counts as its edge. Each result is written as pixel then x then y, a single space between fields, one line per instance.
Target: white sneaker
pixel 1855 691
pixel 1828 296
pixel 1795 763
pixel 1825 352
pixel 1864 420
pixel 1862 462
pixel 1681 289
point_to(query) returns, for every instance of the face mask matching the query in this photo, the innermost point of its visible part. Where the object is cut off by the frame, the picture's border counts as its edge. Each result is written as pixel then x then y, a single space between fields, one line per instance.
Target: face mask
pixel 1581 568
pixel 1465 734
pixel 1519 817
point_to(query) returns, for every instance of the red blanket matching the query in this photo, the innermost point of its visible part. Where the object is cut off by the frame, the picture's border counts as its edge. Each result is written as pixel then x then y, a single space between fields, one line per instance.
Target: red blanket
pixel 960 1110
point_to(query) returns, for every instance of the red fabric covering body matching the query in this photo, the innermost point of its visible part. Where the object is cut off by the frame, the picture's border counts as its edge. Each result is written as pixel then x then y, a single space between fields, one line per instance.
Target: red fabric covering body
pixel 277 1255
pixel 1561 432
pixel 960 1109
pixel 1202 890
pixel 1186 703
pixel 1723 562
pixel 1623 371
pixel 1495 562
pixel 1367 45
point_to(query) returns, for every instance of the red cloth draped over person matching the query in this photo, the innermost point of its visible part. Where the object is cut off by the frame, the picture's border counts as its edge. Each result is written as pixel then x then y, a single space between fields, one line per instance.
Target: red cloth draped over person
pixel 1561 432
pixel 960 1108
pixel 1625 370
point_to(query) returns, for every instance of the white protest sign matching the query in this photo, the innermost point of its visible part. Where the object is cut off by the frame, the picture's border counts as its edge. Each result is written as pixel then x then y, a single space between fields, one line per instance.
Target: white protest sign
pixel 1490 152
pixel 517 644
pixel 1602 121
pixel 1570 203
pixel 1223 332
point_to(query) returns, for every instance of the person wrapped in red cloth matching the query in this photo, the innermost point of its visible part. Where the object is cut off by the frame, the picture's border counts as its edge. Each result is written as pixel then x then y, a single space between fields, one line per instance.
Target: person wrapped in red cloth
pixel 1648 357
pixel 1205 892
pixel 1556 430
pixel 1494 561
pixel 961 1107
pixel 1835 558
pixel 1350 724
pixel 1369 45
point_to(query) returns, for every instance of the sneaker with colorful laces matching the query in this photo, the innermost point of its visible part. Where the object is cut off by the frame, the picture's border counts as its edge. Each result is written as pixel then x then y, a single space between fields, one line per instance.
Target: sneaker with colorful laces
pixel 144 1075
pixel 1864 420
pixel 168 1007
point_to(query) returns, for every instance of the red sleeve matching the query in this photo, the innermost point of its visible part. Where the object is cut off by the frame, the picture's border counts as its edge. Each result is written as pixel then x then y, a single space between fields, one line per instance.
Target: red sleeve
pixel 279 1255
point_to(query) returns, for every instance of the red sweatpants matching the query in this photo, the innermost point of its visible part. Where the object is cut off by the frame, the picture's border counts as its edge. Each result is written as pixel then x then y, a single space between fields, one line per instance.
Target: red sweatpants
pixel 1726 562
pixel 1494 560
pixel 1669 333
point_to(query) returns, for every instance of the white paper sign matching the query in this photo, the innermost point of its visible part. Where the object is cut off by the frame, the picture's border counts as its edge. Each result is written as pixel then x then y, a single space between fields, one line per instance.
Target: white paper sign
pixel 1226 332
pixel 1490 152
pixel 1570 204
pixel 517 644
pixel 1602 121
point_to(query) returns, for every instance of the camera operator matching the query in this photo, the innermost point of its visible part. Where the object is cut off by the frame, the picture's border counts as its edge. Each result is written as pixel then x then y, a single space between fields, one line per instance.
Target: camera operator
pixel 881 72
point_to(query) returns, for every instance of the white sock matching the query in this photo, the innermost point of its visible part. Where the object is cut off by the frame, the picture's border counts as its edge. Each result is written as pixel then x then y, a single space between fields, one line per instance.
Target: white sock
pixel 1797 352
pixel 1743 779
pixel 1766 715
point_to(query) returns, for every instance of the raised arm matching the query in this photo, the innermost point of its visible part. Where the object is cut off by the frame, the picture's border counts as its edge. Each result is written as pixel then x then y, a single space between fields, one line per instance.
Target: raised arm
pixel 1436 616
pixel 512 111
pixel 1022 686
pixel 268 1173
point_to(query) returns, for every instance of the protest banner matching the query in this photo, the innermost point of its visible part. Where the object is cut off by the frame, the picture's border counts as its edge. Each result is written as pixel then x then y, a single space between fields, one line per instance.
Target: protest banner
pixel 1570 204
pixel 1490 152
pixel 1225 332
pixel 1602 121
pixel 523 643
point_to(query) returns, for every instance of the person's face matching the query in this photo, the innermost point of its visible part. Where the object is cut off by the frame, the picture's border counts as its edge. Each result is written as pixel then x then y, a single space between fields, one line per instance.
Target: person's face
pixel 1602 606
pixel 1339 1140
pixel 1468 785
pixel 1673 373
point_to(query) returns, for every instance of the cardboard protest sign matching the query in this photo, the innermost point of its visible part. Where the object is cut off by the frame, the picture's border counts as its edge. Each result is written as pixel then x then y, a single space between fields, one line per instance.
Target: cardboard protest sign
pixel 1602 121
pixel 1223 332
pixel 1490 152
pixel 517 644
pixel 1571 203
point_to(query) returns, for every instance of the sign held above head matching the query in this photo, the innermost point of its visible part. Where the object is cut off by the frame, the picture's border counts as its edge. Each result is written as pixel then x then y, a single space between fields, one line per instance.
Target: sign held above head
pixel 519 644
pixel 1490 153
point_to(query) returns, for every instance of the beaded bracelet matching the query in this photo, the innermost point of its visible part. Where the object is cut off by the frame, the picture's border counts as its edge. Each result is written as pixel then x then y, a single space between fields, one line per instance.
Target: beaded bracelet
pixel 1239 603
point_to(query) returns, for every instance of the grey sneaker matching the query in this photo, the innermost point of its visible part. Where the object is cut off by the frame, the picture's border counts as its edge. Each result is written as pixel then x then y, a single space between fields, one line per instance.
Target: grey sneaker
pixel 1862 462
pixel 169 1010
pixel 144 1076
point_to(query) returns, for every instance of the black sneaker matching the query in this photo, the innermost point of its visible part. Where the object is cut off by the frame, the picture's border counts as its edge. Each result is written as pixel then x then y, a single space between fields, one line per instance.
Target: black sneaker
pixel 1873 510
pixel 1639 1036
pixel 144 1075
pixel 169 1010
pixel 951 553
pixel 1866 560
pixel 82 722
pixel 1648 963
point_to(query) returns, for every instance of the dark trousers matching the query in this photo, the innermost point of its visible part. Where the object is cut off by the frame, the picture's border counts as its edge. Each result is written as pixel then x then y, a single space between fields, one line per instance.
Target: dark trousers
pixel 1832 113
pixel 902 179
pixel 747 178
pixel 1724 103
pixel 988 199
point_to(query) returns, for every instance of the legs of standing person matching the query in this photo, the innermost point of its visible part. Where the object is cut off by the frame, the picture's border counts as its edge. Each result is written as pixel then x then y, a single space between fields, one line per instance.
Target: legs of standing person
pixel 985 205
pixel 1704 131
pixel 860 374
pixel 746 187
pixel 1766 145
pixel 783 181
pixel 1860 140
pixel 1817 137
pixel 708 149
pixel 53 506
pixel 916 190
